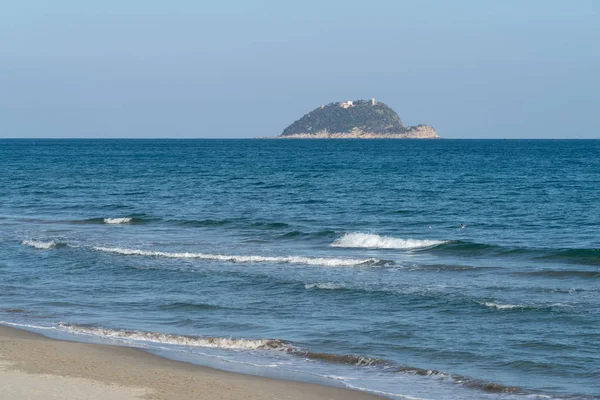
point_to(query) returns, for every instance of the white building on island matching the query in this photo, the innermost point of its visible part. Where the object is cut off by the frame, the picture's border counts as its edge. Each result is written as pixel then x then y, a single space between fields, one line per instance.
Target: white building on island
pixel 350 103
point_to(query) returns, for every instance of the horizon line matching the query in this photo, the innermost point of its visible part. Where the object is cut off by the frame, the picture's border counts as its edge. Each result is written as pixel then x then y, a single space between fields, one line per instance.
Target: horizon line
pixel 286 139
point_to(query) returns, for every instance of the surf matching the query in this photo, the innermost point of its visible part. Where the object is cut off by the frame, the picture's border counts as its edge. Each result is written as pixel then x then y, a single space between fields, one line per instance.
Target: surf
pixel 374 241
pixel 321 261
pixel 42 245
pixel 123 220
pixel 172 339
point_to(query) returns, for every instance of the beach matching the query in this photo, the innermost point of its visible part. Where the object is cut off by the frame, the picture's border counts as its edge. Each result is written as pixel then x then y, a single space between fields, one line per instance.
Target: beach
pixel 35 367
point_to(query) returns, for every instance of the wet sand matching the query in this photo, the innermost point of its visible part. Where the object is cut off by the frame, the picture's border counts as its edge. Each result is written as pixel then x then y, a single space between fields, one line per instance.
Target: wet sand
pixel 34 367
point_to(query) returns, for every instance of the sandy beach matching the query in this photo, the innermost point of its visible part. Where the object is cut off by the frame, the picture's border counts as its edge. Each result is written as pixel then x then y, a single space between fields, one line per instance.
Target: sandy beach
pixel 34 367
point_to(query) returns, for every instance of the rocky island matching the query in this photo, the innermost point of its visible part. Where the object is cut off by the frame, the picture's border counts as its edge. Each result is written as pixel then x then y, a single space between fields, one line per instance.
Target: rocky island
pixel 359 119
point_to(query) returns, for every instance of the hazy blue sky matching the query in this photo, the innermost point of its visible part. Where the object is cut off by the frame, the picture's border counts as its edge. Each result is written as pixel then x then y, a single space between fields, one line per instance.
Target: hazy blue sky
pixel 472 69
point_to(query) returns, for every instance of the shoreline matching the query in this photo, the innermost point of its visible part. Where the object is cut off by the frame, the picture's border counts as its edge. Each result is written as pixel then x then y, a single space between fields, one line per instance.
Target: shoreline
pixel 33 366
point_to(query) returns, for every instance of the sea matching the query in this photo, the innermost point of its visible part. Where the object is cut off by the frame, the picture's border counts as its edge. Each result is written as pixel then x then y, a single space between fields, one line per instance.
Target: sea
pixel 412 269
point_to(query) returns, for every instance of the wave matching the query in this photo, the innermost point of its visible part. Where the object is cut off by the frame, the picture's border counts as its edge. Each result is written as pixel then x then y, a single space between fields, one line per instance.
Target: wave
pixel 549 273
pixel 218 342
pixel 14 310
pixel 439 298
pixel 499 306
pixel 27 326
pixel 450 267
pixel 374 241
pixel 581 256
pixel 207 223
pixel 324 261
pixel 189 306
pixel 124 220
pixel 324 286
pixel 134 219
pixel 585 256
pixel 299 235
pixel 181 340
pixel 464 380
pixel 554 307
pixel 270 225
pixel 229 343
pixel 484 249
pixel 291 235
pixel 348 359
pixel 43 245
pixel 202 222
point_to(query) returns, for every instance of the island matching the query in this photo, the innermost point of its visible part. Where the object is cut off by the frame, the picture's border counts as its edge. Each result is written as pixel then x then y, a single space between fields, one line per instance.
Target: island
pixel 355 119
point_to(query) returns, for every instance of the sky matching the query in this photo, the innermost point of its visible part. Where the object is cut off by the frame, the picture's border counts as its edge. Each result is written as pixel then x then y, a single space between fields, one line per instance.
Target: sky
pixel 242 69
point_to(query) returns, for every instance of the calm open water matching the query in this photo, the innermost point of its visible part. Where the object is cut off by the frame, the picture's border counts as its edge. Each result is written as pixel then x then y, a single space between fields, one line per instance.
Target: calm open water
pixel 339 262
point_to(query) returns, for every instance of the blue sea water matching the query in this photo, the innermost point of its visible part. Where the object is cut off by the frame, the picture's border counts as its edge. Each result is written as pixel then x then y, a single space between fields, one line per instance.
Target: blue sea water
pixel 338 262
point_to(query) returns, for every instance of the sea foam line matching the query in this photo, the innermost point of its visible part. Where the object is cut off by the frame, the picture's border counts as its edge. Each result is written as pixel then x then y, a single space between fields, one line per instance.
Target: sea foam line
pixel 331 262
pixel 374 241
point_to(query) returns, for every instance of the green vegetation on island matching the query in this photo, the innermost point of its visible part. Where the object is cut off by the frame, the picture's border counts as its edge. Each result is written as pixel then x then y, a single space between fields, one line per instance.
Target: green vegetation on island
pixel 355 119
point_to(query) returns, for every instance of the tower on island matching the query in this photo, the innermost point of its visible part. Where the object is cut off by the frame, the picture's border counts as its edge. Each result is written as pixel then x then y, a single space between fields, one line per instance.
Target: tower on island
pixel 373 102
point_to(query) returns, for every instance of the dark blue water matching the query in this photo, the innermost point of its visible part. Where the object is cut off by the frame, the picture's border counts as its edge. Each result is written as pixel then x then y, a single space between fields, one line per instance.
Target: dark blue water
pixel 341 262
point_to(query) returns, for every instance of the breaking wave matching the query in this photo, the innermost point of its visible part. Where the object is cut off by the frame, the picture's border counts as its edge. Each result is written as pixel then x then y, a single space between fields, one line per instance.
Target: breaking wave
pixel 374 241
pixel 133 219
pixel 218 342
pixel 42 245
pixel 552 307
pixel 348 359
pixel 325 286
pixel 124 220
pixel 324 261
pixel 181 340
pixel 499 306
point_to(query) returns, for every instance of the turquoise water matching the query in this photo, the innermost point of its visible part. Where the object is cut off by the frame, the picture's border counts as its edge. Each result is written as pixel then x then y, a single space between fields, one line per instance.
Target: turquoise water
pixel 338 262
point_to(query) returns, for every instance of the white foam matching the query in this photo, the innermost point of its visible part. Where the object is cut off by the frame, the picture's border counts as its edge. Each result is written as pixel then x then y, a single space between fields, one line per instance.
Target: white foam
pixel 499 306
pixel 374 241
pixel 330 262
pixel 25 325
pixel 39 245
pixel 164 338
pixel 125 220
pixel 561 305
pixel 326 286
pixel 379 392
